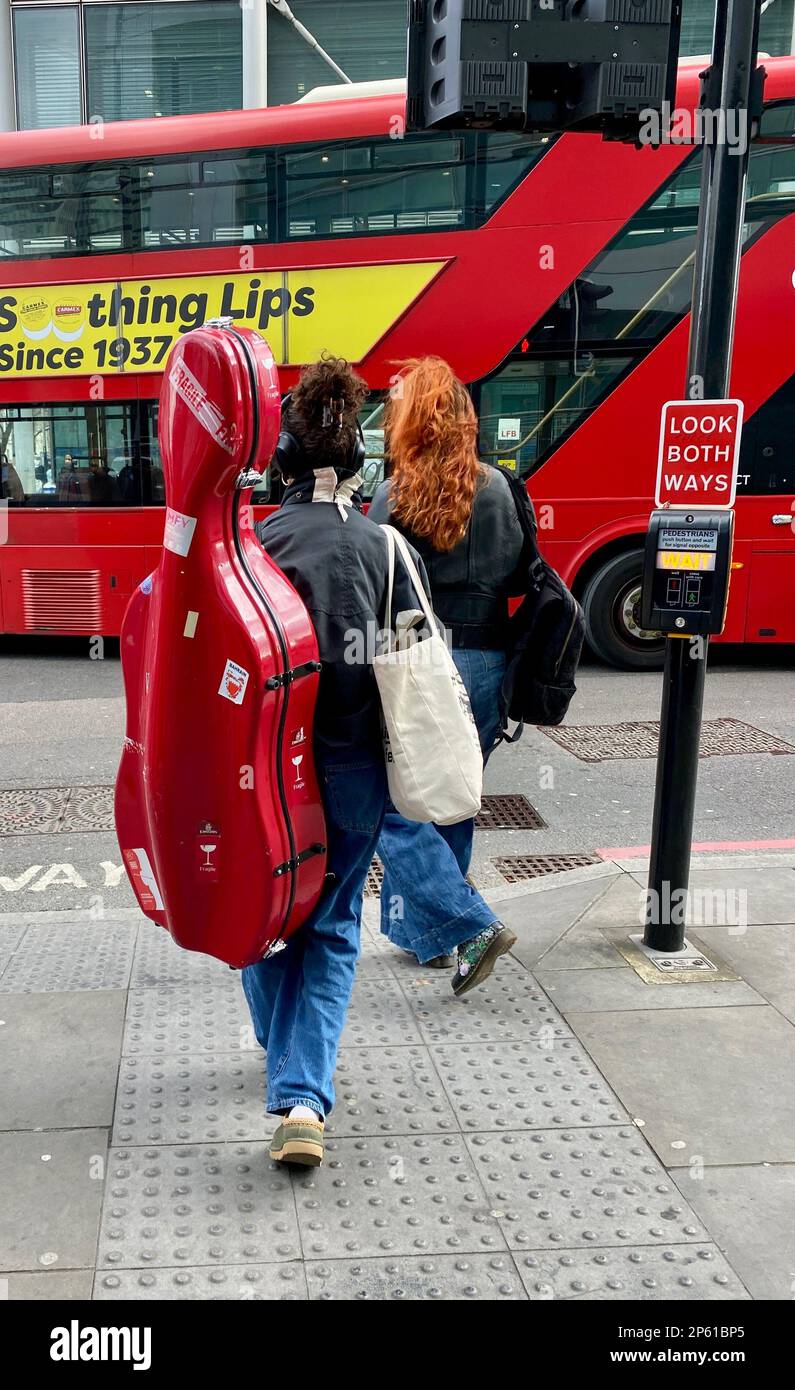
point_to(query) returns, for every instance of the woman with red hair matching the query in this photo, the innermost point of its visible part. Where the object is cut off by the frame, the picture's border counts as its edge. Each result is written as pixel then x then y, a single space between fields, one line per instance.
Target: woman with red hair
pixel 460 516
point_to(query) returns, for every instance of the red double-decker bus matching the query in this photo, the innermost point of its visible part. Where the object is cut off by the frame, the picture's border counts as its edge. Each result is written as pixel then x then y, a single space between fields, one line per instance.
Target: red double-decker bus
pixel 554 273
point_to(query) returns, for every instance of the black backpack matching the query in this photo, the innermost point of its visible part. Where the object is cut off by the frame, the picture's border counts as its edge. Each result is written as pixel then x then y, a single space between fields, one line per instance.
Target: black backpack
pixel 545 637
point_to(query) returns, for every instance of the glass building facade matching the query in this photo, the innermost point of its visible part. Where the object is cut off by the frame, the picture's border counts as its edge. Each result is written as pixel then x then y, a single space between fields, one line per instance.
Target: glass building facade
pixel 123 59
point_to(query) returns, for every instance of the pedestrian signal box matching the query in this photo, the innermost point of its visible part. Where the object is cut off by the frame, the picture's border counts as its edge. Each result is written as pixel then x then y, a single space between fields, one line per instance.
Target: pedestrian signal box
pixel 686 572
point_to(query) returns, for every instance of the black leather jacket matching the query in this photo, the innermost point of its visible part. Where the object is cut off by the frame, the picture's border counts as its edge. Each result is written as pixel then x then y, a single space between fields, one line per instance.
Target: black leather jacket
pixel 471 584
pixel 339 568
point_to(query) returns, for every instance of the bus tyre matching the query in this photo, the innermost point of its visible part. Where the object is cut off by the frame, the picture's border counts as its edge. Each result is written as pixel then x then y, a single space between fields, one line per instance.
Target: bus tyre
pixel 612 616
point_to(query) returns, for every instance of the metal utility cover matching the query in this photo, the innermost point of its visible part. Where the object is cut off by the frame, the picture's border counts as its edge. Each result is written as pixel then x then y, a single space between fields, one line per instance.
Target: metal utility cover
pixel 517 867
pixel 598 743
pixel 510 812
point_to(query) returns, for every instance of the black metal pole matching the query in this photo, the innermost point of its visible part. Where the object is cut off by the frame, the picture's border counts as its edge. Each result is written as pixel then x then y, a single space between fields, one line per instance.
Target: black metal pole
pixel 726 100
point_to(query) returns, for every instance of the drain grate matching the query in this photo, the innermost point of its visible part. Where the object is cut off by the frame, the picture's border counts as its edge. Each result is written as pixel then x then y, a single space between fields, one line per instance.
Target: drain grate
pixel 508 813
pixel 515 868
pixel 598 743
pixel 375 877
pixel 50 810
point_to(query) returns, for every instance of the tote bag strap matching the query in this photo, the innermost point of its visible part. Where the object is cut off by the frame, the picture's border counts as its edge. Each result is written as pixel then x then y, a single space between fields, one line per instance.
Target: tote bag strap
pixel 394 539
pixel 390 550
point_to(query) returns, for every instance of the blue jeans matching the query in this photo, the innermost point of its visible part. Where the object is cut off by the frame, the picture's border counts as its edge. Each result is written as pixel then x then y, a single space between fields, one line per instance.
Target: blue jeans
pixel 299 997
pixel 427 906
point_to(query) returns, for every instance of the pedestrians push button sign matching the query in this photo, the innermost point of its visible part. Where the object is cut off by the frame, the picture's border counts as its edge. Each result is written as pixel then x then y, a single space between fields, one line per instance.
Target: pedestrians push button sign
pixel 699 453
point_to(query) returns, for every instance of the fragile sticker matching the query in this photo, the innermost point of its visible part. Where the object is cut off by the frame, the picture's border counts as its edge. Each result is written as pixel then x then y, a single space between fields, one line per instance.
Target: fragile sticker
pixel 209 851
pixel 142 877
pixel 190 389
pixel 179 531
pixel 233 683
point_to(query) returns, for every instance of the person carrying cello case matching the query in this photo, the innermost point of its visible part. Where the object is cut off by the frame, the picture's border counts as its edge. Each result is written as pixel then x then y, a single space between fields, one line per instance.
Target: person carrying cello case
pixel 223 842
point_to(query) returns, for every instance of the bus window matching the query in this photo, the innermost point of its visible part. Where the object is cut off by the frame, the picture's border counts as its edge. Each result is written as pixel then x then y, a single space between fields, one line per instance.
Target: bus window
pixel 343 188
pixel 641 285
pixel 376 186
pixel 767 451
pixel 621 306
pixel 66 211
pixel 371 419
pixel 77 455
pixel 203 201
pixel 507 157
pixel 527 407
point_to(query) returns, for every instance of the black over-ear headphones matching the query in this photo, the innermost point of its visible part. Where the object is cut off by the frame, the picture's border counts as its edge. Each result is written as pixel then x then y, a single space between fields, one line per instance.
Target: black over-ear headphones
pixel 288 455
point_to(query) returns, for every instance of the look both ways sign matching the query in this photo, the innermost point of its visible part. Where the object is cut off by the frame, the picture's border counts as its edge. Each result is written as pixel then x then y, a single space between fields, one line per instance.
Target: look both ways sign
pixel 699 453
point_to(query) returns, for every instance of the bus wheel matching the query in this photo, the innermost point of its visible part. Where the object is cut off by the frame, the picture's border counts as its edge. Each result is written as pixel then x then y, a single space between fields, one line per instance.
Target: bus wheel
pixel 612 615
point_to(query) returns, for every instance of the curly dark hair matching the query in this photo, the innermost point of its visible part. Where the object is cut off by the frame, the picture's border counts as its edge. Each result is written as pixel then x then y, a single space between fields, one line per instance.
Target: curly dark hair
pixel 323 412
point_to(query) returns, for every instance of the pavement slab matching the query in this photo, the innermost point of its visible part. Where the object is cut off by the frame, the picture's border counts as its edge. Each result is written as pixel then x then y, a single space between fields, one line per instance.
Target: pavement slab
pixel 198 1204
pixel 530 1084
pixel 60 1059
pixel 398 1196
pixel 581 1187
pixel 473 1278
pixel 249 1283
pixel 192 1099
pixel 159 962
pixel 64 1286
pixel 53 1185
pixel 749 1211
pixel 719 1085
pixel 389 1090
pixel 72 957
pixel 379 1014
pixel 679 1272
pixel 594 991
pixel 541 920
pixel 202 1016
pixel 509 1006
pixel 732 897
pixel 764 956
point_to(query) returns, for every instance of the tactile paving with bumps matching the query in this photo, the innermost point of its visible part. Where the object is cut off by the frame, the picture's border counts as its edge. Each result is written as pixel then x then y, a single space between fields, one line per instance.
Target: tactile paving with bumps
pixel 395 1196
pixel 527 1084
pixel 474 1277
pixel 509 1006
pixel 204 1016
pixel 379 1014
pixel 239 1282
pixel 581 1187
pixel 56 957
pixel 388 1090
pixel 182 1206
pixel 676 1271
pixel 173 1100
pixel 160 961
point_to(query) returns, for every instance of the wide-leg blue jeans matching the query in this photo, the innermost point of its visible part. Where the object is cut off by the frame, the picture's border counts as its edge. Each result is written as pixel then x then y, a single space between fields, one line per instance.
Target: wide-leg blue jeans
pixel 299 997
pixel 427 906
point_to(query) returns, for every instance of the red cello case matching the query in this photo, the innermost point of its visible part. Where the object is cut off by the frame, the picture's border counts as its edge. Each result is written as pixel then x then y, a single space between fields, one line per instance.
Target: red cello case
pixel 218 811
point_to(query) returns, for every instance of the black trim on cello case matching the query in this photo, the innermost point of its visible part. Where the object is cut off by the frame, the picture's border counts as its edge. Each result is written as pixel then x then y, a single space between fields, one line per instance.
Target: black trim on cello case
pixel 294 859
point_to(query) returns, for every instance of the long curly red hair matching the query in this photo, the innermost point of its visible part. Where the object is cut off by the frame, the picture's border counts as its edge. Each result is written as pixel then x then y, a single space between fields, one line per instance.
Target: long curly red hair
pixel 431 430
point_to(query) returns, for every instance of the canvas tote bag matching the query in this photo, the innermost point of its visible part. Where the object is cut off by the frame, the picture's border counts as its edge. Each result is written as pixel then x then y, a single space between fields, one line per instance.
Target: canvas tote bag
pixel 434 763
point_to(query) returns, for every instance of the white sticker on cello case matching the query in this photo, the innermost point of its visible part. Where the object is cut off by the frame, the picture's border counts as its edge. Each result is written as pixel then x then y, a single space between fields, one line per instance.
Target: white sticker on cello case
pixel 140 869
pixel 191 620
pixel 233 683
pixel 179 531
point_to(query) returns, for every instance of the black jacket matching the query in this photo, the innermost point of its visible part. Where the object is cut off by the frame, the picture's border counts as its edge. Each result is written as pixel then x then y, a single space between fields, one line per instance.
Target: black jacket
pixel 471 584
pixel 339 568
